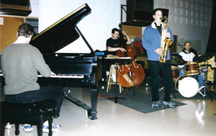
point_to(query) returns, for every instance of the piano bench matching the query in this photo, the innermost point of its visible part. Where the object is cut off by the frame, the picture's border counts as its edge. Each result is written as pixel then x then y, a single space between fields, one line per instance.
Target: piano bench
pixel 27 113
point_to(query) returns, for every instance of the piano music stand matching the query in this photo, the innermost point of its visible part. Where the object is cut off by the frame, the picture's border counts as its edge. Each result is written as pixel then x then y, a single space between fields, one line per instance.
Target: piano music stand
pixel 117 61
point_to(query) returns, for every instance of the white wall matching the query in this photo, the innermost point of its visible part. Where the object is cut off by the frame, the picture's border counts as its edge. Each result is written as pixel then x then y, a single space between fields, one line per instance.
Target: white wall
pixel 96 27
pixel 35 8
pixel 190 20
pixel 124 14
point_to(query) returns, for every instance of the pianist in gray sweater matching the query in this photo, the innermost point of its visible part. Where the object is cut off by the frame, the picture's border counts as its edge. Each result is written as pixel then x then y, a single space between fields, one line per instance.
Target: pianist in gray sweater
pixel 20 64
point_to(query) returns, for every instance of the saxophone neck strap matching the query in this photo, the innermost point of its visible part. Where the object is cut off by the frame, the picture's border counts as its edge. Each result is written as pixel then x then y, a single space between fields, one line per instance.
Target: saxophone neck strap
pixel 159 28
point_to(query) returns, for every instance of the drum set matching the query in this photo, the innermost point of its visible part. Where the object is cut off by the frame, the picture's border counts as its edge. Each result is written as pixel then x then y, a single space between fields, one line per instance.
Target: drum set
pixel 187 84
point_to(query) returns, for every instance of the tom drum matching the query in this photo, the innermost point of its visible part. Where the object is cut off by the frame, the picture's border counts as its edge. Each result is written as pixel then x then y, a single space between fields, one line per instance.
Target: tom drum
pixel 191 68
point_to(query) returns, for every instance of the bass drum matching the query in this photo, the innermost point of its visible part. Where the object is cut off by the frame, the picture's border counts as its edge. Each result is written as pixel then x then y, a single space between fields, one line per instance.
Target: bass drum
pixel 187 86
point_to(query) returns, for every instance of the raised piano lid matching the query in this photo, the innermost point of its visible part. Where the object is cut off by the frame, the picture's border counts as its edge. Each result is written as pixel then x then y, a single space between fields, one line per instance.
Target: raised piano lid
pixel 61 33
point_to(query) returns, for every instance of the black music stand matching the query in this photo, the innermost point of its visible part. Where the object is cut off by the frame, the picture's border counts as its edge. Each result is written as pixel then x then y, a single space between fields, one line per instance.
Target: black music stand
pixel 117 61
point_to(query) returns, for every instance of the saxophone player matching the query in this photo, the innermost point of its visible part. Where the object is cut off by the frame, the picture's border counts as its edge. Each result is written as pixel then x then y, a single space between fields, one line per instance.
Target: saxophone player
pixel 152 43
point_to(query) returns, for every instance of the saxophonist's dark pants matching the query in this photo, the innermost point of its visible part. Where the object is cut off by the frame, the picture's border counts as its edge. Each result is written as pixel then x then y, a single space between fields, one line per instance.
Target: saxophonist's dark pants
pixel 155 67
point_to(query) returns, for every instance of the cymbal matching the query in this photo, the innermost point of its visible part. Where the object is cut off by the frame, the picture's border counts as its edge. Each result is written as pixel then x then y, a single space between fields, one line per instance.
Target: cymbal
pixel 204 65
pixel 176 59
pixel 204 57
pixel 178 62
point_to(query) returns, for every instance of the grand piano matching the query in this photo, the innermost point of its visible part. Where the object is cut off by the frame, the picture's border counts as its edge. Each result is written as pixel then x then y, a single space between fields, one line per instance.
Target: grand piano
pixel 71 69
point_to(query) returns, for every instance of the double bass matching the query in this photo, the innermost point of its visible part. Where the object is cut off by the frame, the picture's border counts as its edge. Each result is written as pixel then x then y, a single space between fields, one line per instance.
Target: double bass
pixel 130 75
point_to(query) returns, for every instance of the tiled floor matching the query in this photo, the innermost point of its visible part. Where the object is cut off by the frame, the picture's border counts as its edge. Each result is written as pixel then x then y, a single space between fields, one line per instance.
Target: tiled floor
pixel 194 119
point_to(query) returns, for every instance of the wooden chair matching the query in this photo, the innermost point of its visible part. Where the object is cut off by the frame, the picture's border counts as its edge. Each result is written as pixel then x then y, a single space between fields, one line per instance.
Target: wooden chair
pixel 111 79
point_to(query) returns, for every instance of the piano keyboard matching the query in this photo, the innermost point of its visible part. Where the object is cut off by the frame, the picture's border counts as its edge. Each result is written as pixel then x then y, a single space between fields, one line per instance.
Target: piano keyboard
pixel 64 76
pixel 61 76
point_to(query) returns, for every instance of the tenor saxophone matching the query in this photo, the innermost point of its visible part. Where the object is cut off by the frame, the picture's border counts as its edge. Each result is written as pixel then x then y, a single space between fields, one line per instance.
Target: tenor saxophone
pixel 165 43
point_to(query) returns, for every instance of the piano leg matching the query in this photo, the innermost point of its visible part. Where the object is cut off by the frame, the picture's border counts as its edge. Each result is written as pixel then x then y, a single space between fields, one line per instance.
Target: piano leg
pixel 94 98
pixel 92 111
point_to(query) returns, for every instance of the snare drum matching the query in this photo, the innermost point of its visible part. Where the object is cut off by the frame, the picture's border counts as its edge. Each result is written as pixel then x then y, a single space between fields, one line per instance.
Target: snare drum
pixel 191 68
pixel 187 86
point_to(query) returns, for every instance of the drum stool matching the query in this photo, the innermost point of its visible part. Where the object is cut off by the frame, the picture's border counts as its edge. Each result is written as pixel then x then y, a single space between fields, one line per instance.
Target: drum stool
pixel 27 113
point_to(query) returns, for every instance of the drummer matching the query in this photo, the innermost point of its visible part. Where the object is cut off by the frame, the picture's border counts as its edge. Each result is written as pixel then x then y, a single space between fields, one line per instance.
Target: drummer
pixel 189 54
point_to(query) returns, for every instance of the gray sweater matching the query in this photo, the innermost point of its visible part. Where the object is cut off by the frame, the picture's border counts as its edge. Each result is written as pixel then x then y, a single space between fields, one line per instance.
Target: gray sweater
pixel 20 66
